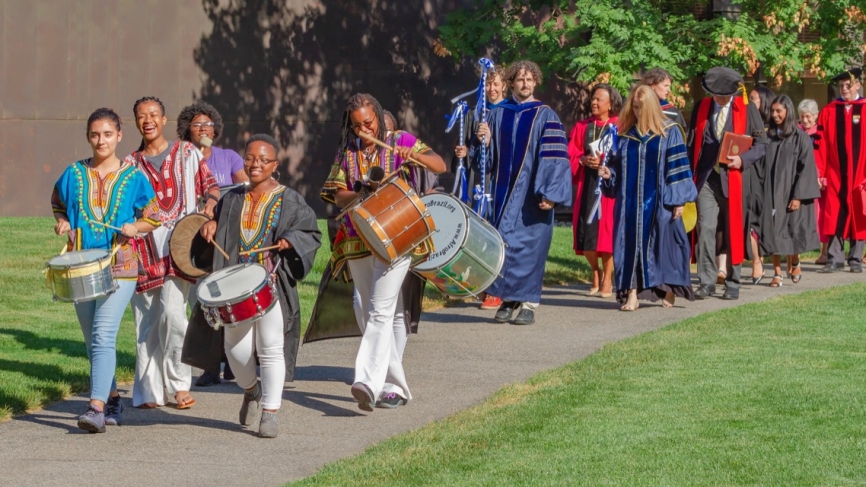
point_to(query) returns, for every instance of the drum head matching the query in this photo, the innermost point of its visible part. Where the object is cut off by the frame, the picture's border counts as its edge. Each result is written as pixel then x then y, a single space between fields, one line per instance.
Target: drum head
pixel 78 257
pixel 189 250
pixel 449 216
pixel 230 284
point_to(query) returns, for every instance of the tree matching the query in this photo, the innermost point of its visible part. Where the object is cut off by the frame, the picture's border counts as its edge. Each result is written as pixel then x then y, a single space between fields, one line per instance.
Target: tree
pixel 612 40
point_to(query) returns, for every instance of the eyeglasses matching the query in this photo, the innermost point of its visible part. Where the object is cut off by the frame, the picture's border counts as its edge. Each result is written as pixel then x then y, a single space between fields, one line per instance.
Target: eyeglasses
pixel 200 125
pixel 261 160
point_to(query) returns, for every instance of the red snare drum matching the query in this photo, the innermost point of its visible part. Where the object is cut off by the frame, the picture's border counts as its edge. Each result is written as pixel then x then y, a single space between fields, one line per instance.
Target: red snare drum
pixel 237 295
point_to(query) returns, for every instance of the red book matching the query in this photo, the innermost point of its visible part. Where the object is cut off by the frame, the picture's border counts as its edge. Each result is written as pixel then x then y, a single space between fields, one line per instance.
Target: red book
pixel 733 145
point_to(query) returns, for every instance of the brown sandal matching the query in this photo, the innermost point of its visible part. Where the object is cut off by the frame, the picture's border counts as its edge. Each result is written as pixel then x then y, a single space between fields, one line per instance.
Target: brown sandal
pixel 184 400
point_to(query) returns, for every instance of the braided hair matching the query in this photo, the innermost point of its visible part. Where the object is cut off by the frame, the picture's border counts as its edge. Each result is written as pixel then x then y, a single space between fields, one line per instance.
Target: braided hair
pixel 138 102
pixel 356 102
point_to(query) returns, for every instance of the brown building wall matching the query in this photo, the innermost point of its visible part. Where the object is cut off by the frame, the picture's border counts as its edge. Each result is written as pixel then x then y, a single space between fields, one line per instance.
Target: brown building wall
pixel 281 67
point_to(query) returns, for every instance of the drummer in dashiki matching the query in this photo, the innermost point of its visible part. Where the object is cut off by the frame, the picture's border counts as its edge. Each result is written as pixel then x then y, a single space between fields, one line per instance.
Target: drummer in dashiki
pixel 379 374
pixel 100 203
pixel 181 180
pixel 265 214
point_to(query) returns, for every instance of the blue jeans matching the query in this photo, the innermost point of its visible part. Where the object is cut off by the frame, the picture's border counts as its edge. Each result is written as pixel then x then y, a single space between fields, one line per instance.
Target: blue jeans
pixel 100 321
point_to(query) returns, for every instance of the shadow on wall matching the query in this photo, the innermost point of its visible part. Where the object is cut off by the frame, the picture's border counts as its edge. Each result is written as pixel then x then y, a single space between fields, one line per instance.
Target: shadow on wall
pixel 287 68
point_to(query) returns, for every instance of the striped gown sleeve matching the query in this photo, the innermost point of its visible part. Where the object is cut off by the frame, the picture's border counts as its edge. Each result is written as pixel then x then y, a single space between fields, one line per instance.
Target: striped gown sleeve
pixel 553 178
pixel 679 185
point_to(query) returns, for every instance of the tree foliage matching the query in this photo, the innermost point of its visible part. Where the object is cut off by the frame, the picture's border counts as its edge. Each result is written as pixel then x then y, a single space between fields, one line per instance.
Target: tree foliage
pixel 612 40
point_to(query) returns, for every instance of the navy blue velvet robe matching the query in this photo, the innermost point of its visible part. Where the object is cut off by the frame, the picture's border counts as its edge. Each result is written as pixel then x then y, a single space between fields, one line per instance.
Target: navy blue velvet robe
pixel 650 176
pixel 529 155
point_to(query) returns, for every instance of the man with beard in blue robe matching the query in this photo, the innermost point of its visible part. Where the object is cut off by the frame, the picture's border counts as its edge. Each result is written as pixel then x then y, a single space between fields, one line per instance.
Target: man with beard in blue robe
pixel 531 174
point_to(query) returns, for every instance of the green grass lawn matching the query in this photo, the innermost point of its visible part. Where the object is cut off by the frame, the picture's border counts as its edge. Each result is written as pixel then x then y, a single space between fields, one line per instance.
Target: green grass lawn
pixel 772 393
pixel 42 354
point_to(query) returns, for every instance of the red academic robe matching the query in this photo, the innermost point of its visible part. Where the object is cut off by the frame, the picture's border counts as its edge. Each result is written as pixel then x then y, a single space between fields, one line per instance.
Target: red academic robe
pixel 739 119
pixel 575 152
pixel 839 155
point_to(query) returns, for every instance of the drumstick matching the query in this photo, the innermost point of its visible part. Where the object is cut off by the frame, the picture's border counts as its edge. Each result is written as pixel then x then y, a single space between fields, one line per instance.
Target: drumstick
pixel 248 252
pixel 220 249
pixel 388 147
pixel 104 224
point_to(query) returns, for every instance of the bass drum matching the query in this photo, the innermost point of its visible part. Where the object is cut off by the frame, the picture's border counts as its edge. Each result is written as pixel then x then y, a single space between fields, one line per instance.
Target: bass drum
pixel 468 252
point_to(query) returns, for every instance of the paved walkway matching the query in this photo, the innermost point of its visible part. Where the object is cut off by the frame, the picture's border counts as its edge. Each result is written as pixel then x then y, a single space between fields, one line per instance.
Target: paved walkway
pixel 460 357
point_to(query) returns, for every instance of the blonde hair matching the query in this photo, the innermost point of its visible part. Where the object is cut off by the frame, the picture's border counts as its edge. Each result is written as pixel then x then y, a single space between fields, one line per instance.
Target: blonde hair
pixel 651 118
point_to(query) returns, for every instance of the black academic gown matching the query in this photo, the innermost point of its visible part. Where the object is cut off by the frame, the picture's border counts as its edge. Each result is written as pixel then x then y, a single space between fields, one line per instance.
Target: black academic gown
pixel 710 153
pixel 297 224
pixel 789 174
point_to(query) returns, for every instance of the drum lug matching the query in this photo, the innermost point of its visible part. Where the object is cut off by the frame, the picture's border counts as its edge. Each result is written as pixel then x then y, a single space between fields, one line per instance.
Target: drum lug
pixel 256 298
pixel 259 309
pixel 228 308
pixel 232 318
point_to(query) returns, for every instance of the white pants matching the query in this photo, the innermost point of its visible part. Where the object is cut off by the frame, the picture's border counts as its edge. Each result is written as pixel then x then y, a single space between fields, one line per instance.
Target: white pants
pixel 160 326
pixel 379 362
pixel 265 336
pixel 401 335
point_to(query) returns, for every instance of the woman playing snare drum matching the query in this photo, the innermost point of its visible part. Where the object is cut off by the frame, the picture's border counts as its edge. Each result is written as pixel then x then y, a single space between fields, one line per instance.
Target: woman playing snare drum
pixel 91 195
pixel 262 215
pixel 379 372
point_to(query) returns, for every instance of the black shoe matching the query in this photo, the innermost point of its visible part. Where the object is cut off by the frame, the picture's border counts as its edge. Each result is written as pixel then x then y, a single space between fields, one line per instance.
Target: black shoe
pixel 113 410
pixel 705 291
pixel 506 311
pixel 227 372
pixel 856 268
pixel 525 317
pixel 830 268
pixel 208 379
pixel 731 294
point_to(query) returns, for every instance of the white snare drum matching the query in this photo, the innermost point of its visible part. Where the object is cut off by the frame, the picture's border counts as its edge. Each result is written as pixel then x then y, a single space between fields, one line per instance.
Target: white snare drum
pixel 469 252
pixel 81 275
pixel 236 295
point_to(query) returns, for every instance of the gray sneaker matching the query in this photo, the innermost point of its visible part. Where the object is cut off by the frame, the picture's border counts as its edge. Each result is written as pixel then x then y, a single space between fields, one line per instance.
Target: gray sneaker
pixel 93 420
pixel 269 425
pixel 113 409
pixel 251 405
pixel 390 401
pixel 364 396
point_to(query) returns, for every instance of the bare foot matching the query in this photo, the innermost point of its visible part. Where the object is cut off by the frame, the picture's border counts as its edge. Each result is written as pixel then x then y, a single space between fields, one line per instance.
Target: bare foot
pixel 669 300
pixel 631 303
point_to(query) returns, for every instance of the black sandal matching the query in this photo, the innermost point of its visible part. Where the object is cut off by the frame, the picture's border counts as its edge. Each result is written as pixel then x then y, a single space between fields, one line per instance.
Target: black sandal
pixel 757 280
pixel 795 278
